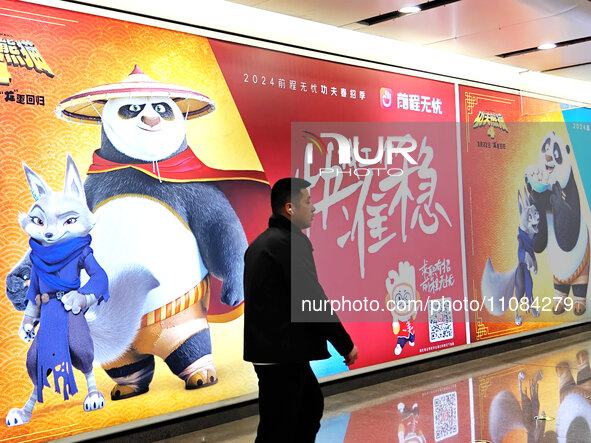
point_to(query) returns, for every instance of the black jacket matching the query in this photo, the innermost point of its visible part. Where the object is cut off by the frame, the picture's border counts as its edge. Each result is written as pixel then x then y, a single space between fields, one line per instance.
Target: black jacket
pixel 281 259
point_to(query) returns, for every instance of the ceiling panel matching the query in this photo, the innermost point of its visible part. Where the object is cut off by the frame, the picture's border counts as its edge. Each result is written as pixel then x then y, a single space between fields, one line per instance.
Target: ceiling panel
pixel 476 28
pixel 516 37
pixel 551 59
pixel 475 18
pixel 330 12
pixel 553 7
pixel 576 72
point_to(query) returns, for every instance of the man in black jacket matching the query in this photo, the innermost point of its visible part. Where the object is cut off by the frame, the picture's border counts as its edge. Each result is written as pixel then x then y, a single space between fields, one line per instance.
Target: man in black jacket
pixel 280 337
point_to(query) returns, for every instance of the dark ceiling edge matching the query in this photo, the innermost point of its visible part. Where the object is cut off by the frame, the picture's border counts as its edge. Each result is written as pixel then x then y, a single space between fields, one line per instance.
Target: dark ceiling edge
pixel 311 49
pixel 396 14
pixel 567 67
pixel 535 49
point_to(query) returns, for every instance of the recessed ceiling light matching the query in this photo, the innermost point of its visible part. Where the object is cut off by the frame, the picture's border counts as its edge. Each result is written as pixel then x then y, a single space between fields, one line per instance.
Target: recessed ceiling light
pixel 410 9
pixel 547 46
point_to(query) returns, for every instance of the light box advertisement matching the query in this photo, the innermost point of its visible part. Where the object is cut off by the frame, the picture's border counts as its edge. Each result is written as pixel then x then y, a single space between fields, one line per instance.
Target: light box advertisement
pixel 162 146
pixel 526 215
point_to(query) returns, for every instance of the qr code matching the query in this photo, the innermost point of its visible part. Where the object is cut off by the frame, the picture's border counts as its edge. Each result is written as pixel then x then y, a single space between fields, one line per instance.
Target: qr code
pixel 441 326
pixel 445 415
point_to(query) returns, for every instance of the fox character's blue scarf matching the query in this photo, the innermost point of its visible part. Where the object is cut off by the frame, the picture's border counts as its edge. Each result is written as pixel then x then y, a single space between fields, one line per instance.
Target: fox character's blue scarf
pixel 526 244
pixel 53 350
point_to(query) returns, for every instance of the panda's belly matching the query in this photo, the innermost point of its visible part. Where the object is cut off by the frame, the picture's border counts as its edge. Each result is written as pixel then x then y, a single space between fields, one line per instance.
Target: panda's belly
pixel 136 231
pixel 563 264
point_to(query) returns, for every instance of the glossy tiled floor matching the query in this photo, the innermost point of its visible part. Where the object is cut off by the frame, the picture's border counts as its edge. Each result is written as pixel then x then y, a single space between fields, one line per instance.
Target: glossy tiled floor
pixel 501 398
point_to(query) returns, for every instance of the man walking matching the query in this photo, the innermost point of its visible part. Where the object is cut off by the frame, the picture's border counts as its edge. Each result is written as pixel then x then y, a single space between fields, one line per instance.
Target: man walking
pixel 279 274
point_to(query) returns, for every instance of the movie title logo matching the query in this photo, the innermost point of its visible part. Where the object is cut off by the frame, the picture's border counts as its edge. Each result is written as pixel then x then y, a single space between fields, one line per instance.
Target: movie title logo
pixel 20 54
pixel 491 120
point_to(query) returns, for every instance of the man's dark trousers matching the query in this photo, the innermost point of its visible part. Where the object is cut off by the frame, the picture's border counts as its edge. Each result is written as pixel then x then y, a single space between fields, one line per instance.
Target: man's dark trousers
pixel 290 403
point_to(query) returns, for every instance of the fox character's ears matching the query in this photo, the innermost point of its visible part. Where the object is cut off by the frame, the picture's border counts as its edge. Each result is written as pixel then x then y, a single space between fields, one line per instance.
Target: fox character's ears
pixel 37 185
pixel 523 201
pixel 73 185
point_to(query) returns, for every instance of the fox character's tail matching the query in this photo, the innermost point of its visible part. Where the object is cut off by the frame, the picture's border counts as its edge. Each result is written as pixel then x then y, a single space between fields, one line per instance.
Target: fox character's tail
pixel 496 288
pixel 112 334
pixel 505 415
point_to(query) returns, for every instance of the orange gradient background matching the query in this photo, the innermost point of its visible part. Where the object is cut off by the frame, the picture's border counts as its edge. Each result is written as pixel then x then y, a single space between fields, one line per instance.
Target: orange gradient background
pixel 85 51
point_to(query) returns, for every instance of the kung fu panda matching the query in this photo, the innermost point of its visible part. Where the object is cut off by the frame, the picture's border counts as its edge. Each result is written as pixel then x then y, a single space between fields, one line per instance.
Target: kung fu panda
pixel 563 233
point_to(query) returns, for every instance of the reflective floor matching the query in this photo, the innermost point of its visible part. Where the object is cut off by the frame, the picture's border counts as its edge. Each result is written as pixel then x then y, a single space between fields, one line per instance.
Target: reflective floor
pixel 538 394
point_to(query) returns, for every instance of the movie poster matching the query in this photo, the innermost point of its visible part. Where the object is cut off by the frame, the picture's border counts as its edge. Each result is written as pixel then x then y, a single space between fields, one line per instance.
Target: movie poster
pixel 171 333
pixel 526 214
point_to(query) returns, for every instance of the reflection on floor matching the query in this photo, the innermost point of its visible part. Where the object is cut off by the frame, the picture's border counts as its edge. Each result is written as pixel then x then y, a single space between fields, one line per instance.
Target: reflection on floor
pixel 538 394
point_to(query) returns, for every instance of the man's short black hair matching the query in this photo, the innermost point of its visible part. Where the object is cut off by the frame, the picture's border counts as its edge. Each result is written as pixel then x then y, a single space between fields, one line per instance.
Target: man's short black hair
pixel 286 190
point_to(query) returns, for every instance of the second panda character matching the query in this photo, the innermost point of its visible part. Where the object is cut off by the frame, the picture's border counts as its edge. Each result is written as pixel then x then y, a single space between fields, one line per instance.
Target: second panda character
pixel 563 232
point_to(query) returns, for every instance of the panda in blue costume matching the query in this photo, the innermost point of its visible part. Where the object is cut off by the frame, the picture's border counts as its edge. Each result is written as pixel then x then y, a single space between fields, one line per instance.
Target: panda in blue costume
pixel 164 229
pixel 563 232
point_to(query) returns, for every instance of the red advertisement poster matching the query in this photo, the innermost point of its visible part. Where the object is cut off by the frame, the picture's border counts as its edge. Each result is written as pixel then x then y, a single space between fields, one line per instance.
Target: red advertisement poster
pixel 526 216
pixel 377 230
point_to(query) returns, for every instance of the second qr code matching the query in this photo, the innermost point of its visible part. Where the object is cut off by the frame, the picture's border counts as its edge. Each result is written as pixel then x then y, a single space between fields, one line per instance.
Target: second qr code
pixel 441 326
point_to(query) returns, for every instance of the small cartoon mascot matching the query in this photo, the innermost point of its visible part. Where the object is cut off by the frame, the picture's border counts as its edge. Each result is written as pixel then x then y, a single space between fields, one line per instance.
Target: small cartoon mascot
pixel 401 300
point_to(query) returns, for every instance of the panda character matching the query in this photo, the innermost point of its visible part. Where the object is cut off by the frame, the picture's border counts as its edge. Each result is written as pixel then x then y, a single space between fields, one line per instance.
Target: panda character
pixel 164 228
pixel 562 229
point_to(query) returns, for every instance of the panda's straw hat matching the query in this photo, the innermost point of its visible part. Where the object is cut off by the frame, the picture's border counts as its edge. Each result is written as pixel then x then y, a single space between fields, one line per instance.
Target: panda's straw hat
pixel 87 106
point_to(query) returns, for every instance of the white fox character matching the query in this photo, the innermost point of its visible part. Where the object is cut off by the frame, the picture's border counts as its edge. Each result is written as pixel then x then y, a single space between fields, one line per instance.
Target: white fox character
pixel 498 289
pixel 59 226
pixel 401 301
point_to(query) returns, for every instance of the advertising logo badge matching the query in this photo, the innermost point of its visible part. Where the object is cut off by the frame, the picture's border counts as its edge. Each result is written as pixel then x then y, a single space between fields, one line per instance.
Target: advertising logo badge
pixel 386 98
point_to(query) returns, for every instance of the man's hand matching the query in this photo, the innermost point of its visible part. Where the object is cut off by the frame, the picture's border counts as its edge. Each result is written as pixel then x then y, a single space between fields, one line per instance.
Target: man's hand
pixel 351 357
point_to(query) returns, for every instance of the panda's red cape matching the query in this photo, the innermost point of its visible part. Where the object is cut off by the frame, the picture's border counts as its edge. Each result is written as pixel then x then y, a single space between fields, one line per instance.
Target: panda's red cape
pixel 247 191
pixel 184 167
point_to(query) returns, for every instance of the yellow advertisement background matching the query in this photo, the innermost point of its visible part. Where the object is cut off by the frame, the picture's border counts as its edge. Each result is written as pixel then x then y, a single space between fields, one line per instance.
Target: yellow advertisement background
pixel 491 178
pixel 85 51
